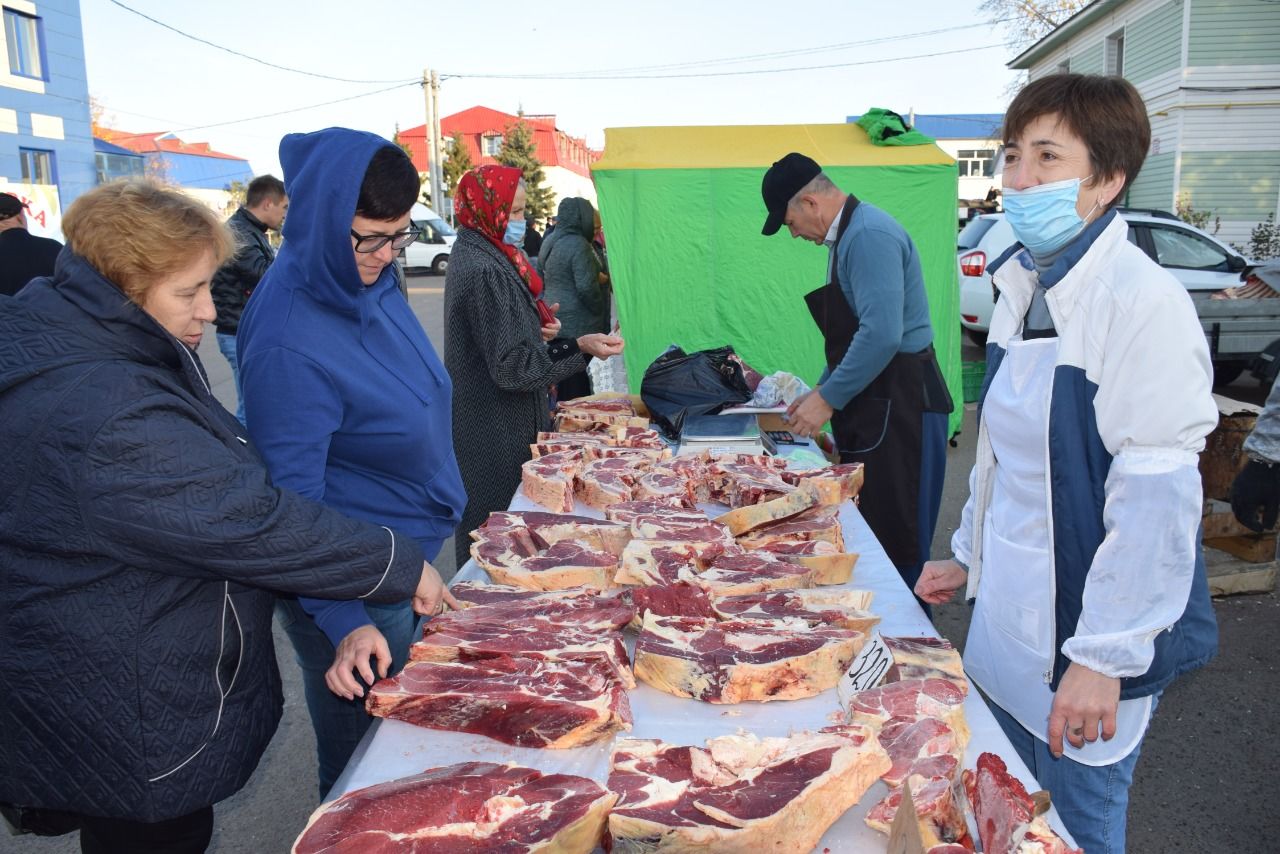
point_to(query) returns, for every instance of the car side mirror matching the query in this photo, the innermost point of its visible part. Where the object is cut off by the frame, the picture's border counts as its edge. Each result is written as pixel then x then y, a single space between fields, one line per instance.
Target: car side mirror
pixel 1236 264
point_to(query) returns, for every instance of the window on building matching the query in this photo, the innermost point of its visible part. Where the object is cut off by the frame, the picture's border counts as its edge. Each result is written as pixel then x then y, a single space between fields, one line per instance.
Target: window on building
pixel 976 162
pixel 37 166
pixel 1115 54
pixel 22 37
pixel 492 144
pixel 113 166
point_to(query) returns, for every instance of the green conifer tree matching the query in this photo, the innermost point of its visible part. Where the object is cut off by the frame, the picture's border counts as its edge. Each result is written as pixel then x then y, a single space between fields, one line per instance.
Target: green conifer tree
pixel 518 149
pixel 457 162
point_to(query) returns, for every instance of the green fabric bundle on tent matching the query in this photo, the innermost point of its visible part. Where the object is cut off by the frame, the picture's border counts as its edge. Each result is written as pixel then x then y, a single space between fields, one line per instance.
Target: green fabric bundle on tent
pixel 885 127
pixel 682 215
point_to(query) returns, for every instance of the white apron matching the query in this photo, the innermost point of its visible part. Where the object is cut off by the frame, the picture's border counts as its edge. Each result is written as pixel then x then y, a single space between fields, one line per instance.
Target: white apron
pixel 1010 650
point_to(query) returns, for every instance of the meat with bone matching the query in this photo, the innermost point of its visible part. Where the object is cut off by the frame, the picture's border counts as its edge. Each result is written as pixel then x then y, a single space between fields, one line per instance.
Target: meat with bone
pixel 629 510
pixel 565 564
pixel 665 562
pixel 737 574
pixel 939 811
pixel 602 482
pixel 925 658
pixel 528 702
pixel 836 484
pixel 1005 813
pixel 681 599
pixel 912 699
pixel 571 421
pixel 738 661
pixel 843 609
pixel 926 747
pixel 551 528
pixel 468 808
pixel 739 793
pixel 829 564
pixel 665 484
pixel 577 608
pixel 693 528
pixel 748 518
pixel 548 480
pixel 525 636
pixel 742 485
pixel 819 523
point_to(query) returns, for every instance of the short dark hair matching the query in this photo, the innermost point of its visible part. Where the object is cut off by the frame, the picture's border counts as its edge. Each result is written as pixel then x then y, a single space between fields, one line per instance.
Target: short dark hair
pixel 262 189
pixel 1106 113
pixel 390 186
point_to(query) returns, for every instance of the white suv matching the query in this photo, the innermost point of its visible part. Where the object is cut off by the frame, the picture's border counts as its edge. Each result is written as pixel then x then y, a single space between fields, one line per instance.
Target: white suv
pixel 1199 261
pixel 435 240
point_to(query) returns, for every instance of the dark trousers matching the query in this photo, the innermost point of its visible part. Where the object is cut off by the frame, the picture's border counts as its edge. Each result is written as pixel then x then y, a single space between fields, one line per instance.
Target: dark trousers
pixel 933 469
pixel 188 834
pixel 578 385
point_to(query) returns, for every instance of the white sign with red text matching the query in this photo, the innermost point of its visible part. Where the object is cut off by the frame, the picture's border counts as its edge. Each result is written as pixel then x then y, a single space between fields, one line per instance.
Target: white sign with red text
pixel 44 210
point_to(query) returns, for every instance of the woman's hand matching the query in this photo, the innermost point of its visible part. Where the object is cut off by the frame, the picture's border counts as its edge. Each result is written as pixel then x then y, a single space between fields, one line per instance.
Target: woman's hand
pixel 353 654
pixel 939 580
pixel 1085 701
pixel 431 596
pixel 601 346
pixel 807 413
pixel 552 329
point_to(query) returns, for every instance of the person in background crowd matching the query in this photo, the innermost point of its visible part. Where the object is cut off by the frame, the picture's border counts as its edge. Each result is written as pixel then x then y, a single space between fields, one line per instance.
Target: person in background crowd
pixel 882 389
pixel 1255 493
pixel 551 227
pixel 349 404
pixel 532 241
pixel 571 272
pixel 264 207
pixel 140 540
pixel 23 256
pixel 1080 540
pixel 503 348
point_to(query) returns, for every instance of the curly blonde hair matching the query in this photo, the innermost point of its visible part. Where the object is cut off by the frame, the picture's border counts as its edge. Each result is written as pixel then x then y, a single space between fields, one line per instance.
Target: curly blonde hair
pixel 137 233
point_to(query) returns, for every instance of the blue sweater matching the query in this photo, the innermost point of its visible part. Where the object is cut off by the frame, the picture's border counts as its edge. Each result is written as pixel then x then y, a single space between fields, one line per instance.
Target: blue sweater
pixel 344 395
pixel 880 277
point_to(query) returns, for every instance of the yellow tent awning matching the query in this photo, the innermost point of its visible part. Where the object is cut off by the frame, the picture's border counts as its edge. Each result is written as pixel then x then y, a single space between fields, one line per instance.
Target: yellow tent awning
pixel 754 146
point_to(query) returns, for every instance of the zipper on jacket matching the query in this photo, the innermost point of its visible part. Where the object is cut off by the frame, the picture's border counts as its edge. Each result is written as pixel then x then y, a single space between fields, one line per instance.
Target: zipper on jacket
pixel 1048 499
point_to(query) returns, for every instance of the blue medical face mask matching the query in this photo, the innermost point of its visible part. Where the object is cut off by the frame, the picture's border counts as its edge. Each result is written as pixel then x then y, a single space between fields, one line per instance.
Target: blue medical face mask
pixel 1044 217
pixel 514 235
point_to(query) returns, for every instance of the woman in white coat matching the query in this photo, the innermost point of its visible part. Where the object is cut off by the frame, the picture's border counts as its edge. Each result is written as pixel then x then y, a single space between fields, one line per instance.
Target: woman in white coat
pixel 1080 540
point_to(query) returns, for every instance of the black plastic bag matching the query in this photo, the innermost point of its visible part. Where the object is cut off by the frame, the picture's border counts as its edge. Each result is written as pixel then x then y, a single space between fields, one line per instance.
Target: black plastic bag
pixel 680 384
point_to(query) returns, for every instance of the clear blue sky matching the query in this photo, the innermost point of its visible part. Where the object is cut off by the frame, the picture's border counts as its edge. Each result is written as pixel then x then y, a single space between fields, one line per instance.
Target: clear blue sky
pixel 150 79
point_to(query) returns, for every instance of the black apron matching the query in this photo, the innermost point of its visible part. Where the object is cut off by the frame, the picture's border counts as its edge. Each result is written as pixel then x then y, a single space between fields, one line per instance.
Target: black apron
pixel 882 426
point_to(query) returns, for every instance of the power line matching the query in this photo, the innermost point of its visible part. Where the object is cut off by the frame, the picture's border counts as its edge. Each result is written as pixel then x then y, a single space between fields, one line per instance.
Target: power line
pixel 721 73
pixel 187 35
pixel 298 109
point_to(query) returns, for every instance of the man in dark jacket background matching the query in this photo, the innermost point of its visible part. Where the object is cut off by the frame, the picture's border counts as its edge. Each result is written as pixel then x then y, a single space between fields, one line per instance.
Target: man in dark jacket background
pixel 264 208
pixel 23 256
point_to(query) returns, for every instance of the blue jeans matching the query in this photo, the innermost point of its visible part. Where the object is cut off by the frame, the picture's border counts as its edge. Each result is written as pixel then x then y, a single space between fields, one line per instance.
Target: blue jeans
pixel 339 724
pixel 1093 802
pixel 227 344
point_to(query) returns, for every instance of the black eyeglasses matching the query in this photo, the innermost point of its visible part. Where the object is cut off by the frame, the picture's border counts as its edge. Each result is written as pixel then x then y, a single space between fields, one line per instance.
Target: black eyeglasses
pixel 366 243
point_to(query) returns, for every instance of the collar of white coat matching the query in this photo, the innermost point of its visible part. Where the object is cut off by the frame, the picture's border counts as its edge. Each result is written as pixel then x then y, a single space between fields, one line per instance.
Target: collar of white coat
pixel 1014 273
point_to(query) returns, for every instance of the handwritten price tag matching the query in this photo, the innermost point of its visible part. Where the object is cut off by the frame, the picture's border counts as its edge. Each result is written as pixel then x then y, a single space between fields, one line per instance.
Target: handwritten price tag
pixel 867 670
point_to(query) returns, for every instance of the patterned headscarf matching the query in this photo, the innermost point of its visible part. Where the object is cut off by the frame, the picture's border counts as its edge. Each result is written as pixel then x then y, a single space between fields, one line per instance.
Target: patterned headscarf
pixel 483 202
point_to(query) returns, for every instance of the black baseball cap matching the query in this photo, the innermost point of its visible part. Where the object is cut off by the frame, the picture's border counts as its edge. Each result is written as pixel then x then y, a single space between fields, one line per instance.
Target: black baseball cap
pixel 784 179
pixel 10 205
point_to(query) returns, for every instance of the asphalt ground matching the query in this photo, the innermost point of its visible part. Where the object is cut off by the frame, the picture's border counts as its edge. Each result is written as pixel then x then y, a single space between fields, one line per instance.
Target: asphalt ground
pixel 1207 780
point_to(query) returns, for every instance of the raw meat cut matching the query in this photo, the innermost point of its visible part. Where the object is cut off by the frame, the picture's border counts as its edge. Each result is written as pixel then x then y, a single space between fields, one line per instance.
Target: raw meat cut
pixel 578 608
pixel 939 812
pixel 551 528
pixel 669 600
pixel 571 421
pixel 608 481
pixel 1005 813
pixel 926 747
pixel 820 523
pixel 745 484
pixel 844 609
pixel 629 510
pixel 688 528
pixel 757 515
pixel 925 658
pixel 472 593
pixel 836 484
pixel 912 699
pixel 740 793
pixel 665 484
pixel 563 565
pixel 829 564
pixel 523 701
pixel 665 562
pixel 737 661
pixel 468 808
pixel 742 573
pixel 548 480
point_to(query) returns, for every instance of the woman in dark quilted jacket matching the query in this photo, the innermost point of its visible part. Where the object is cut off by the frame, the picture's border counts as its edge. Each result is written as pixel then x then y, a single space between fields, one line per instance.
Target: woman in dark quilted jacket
pixel 141 540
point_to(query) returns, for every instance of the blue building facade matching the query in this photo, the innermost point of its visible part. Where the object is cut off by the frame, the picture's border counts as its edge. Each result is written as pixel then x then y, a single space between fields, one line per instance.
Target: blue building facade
pixel 45 134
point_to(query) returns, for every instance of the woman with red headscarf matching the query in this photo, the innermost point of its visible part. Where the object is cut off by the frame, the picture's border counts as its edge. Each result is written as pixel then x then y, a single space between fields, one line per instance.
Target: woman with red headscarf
pixel 501 348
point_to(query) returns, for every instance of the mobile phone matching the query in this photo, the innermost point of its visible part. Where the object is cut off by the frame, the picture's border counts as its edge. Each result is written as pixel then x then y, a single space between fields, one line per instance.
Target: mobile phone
pixel 783 437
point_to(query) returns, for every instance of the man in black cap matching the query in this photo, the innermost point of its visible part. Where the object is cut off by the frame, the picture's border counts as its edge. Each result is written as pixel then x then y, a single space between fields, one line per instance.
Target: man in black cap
pixel 23 256
pixel 882 389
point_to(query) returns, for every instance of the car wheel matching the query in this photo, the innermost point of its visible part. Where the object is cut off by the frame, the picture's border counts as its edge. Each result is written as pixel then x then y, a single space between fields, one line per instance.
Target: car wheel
pixel 979 338
pixel 441 265
pixel 1225 373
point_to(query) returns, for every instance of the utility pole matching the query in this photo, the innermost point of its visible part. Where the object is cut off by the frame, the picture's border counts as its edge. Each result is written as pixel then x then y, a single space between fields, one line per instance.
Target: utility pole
pixel 430 128
pixel 436 147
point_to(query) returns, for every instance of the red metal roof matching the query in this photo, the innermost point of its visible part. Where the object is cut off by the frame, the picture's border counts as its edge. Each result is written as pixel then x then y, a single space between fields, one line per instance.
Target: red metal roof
pixel 144 143
pixel 554 146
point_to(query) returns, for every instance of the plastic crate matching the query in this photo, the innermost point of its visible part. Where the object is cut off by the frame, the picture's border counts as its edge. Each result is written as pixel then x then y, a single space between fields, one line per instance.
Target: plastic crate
pixel 972 374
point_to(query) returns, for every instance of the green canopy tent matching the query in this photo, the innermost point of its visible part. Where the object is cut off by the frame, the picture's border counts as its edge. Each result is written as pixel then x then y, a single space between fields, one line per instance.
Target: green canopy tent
pixel 682 214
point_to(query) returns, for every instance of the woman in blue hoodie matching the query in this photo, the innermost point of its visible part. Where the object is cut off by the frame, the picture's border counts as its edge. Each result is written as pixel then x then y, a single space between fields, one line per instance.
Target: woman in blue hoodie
pixel 348 403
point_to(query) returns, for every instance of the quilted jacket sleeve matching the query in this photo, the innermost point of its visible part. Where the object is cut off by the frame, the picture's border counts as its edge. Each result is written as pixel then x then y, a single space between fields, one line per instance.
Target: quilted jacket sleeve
pixel 1154 409
pixel 160 492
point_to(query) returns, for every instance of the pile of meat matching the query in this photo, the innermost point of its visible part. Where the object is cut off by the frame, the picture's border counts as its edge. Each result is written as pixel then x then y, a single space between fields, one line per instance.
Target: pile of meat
pixel 1006 815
